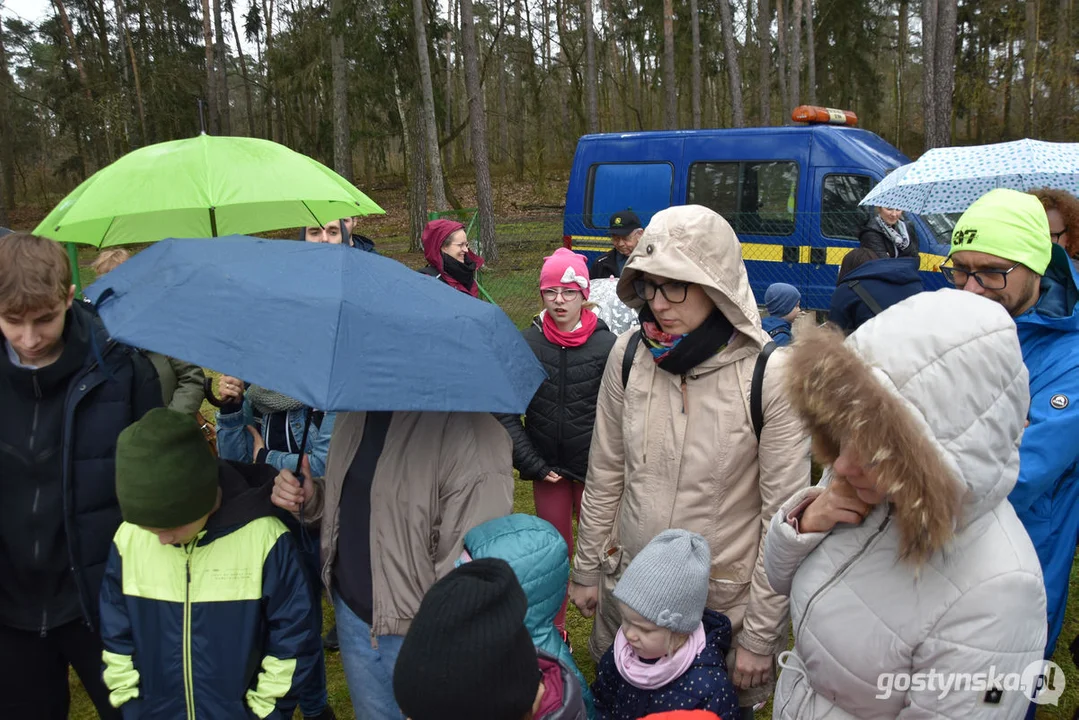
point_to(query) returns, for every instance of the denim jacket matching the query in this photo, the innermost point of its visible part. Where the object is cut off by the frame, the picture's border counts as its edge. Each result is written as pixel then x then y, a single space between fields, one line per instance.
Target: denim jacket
pixel 235 443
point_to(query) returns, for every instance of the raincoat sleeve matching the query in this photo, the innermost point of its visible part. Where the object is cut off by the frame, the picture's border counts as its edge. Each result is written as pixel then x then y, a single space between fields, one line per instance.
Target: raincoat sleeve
pixel 476 483
pixel 292 642
pixel 784 547
pixel 146 387
pixel 525 458
pixel 606 473
pixel 318 442
pixel 121 675
pixel 233 440
pixel 189 387
pixel 1044 455
pixel 783 457
pixel 972 636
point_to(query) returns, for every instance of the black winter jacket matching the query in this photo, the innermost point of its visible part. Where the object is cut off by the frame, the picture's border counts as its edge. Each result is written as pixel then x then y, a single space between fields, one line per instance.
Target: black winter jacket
pixel 605 266
pixel 557 429
pixel 871 237
pixel 57 471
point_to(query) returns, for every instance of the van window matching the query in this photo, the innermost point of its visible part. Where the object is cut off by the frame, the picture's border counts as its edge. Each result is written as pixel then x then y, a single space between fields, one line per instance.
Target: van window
pixel 758 198
pixel 644 188
pixel 840 216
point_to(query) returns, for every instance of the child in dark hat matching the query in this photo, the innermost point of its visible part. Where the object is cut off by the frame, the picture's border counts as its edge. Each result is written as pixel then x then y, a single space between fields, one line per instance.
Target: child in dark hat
pixel 468 654
pixel 204 609
pixel 784 305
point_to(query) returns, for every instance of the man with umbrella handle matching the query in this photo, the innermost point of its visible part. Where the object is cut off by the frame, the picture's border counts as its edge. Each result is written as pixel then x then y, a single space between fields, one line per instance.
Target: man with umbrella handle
pixel 68 390
pixel 259 425
pixel 400 491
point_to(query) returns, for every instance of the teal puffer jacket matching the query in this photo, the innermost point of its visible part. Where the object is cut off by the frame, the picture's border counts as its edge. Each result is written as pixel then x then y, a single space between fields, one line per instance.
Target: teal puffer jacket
pixel 540 559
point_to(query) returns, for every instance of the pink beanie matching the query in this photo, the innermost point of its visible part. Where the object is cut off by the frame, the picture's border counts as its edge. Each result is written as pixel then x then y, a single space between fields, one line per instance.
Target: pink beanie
pixel 565 269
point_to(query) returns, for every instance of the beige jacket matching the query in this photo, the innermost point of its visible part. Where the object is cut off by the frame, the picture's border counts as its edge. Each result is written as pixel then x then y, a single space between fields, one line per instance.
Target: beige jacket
pixel 652 467
pixel 439 475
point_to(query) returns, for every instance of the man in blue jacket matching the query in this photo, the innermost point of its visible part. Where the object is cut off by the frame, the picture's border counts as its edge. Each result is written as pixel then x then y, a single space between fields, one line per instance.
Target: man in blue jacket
pixel 1001 249
pixel 67 391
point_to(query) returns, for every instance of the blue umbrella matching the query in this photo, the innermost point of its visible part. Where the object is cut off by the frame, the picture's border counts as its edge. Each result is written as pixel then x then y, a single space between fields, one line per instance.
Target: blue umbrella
pixel 947 180
pixel 329 326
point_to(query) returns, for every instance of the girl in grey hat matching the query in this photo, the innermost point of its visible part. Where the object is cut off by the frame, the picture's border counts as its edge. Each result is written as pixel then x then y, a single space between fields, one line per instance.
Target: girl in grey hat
pixel 669 653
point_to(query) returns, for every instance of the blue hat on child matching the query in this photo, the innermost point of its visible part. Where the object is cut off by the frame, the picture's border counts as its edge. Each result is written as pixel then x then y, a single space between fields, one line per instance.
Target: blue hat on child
pixel 781 298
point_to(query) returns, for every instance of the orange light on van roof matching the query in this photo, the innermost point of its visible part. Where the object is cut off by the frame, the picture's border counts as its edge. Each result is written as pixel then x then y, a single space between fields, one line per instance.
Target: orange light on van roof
pixel 815 115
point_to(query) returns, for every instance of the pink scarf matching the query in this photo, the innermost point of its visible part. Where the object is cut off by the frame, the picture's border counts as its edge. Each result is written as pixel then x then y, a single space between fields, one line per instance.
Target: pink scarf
pixel 573 338
pixel 652 676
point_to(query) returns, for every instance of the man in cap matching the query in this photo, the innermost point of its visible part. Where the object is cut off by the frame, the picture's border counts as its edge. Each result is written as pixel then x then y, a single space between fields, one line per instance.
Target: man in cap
pixel 625 231
pixel 1001 249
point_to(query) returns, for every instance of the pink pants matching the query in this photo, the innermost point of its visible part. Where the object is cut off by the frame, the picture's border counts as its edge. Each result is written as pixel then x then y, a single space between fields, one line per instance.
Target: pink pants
pixel 557 503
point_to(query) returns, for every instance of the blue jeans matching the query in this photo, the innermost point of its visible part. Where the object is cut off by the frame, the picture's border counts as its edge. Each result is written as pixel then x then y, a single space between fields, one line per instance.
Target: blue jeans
pixel 312 696
pixel 368 671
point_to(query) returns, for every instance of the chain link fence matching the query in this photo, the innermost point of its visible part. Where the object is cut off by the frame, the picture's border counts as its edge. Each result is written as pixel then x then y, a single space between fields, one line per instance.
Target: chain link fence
pixel 804 250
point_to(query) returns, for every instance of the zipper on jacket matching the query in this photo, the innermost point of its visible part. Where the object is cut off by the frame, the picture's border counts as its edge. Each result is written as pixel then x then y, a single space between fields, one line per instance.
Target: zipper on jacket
pixel 839 574
pixel 685 395
pixel 561 407
pixel 189 686
pixel 37 490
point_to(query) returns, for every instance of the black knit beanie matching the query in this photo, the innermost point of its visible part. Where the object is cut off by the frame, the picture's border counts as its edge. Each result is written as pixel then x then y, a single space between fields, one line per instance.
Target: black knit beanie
pixel 468 654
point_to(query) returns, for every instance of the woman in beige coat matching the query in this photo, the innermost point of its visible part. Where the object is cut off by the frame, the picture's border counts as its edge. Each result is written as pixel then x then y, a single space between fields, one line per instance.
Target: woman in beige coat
pixel 676 447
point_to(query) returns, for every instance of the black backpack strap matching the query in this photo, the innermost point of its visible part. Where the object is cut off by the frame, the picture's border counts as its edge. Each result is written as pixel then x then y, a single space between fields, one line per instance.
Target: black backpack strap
pixel 756 390
pixel 869 300
pixel 627 358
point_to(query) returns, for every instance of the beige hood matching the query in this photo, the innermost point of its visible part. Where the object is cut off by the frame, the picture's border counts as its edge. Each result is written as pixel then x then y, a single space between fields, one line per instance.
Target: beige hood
pixel 694 244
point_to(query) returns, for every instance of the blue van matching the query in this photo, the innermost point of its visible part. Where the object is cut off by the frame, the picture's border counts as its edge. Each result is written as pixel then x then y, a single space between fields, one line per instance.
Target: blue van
pixel 791 194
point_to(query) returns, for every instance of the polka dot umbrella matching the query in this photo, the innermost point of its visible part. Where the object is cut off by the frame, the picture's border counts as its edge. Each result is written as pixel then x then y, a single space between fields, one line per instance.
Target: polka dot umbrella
pixel 948 180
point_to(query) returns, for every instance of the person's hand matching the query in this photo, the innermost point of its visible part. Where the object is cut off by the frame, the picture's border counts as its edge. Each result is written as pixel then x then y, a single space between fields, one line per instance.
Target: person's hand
pixel 288 493
pixel 256 441
pixel 230 389
pixel 585 597
pixel 750 669
pixel 839 503
pixel 552 477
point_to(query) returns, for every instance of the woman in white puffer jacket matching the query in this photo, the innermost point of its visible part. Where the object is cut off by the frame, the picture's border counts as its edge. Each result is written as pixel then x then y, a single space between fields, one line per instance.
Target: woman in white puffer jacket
pixel 907 565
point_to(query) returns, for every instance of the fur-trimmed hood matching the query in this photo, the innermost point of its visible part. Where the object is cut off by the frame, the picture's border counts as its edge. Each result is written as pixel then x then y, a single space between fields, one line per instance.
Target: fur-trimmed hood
pixel 695 244
pixel 935 391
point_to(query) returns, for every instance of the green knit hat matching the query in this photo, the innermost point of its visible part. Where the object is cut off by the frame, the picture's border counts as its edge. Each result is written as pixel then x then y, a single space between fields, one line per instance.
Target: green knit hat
pixel 1008 224
pixel 166 474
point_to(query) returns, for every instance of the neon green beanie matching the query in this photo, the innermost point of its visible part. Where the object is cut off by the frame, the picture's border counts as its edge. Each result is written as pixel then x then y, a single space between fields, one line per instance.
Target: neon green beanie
pixel 1008 224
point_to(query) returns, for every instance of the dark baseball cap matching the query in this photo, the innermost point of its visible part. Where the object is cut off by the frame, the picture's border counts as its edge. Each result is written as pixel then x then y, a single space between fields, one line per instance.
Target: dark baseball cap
pixel 625 222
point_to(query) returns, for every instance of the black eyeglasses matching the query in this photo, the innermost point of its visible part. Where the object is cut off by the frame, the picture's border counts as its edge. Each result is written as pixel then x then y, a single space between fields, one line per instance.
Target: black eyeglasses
pixel 1057 235
pixel 988 279
pixel 673 290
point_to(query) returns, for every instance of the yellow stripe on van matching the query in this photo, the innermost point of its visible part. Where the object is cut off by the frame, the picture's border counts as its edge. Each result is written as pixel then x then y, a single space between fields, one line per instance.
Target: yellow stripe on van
pixel 764 252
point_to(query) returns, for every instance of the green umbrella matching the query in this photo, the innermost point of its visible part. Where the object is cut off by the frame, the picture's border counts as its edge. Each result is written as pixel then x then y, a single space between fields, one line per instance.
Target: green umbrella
pixel 206 186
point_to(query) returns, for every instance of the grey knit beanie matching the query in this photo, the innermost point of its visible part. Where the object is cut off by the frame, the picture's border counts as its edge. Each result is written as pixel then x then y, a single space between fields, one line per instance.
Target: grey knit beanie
pixel 667 583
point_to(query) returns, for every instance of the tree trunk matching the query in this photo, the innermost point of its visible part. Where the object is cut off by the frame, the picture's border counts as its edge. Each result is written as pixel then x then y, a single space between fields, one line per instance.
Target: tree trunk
pixel 695 62
pixel 211 84
pixel 1030 65
pixel 428 122
pixel 738 115
pixel 250 105
pixel 811 54
pixel 121 17
pixel 1009 74
pixel 671 105
pixel 522 61
pixel 415 170
pixel 944 76
pixel 222 73
pixel 478 121
pixel 900 66
pixel 342 133
pixel 796 57
pixel 929 71
pixel 781 46
pixel 592 112
pixel 84 79
pixel 7 152
pixel 1064 70
pixel 764 38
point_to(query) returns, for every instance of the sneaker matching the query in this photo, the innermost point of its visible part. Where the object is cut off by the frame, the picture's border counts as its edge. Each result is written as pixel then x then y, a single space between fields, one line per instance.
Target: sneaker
pixel 329 642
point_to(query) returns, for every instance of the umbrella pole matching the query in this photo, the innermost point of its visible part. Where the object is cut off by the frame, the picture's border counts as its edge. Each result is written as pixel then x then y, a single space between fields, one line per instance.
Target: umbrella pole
pixel 303 442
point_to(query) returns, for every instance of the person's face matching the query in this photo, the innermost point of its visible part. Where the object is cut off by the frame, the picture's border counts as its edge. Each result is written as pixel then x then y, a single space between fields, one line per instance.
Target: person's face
pixel 329 233
pixel 1057 229
pixel 890 215
pixel 850 467
pixel 181 535
pixel 625 244
pixel 647 639
pixel 793 314
pixel 677 318
pixel 36 334
pixel 1022 285
pixel 456 245
pixel 563 303
pixel 350 225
